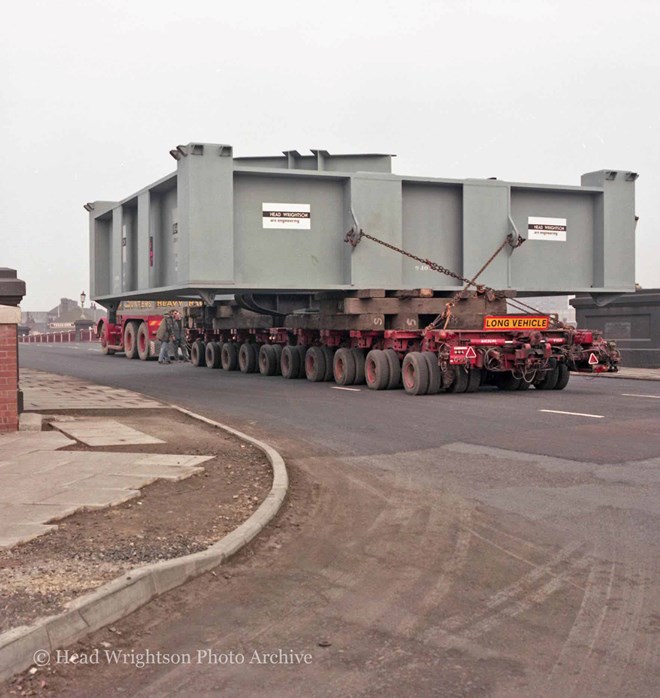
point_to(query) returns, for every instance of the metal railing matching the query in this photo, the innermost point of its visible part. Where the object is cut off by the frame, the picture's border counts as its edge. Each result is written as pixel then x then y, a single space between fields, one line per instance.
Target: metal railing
pixel 59 337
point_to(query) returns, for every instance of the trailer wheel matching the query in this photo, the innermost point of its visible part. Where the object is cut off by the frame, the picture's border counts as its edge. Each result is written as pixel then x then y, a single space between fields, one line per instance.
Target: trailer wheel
pixel 302 351
pixel 267 360
pixel 549 379
pixel 329 361
pixel 507 381
pixel 435 375
pixel 229 356
pixel 395 369
pixel 212 355
pixel 143 343
pixel 343 367
pixel 315 364
pixel 220 345
pixel 277 348
pixel 130 341
pixel 563 374
pixel 377 370
pixel 360 362
pixel 290 363
pixel 197 353
pixel 459 379
pixel 415 373
pixel 104 340
pixel 474 380
pixel 247 357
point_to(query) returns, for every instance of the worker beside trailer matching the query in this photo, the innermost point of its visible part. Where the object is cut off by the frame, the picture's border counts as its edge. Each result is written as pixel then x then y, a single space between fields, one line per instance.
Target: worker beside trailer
pixel 132 328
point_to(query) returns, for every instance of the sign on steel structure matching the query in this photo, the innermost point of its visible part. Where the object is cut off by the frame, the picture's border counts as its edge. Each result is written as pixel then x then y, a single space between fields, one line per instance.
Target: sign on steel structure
pixel 221 224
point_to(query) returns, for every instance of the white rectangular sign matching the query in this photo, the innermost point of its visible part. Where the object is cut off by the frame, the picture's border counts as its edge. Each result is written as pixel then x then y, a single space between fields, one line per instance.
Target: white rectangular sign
pixel 290 216
pixel 553 229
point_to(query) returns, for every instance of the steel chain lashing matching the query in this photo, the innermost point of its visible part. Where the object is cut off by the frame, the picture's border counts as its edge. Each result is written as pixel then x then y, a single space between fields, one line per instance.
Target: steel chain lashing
pixel 354 238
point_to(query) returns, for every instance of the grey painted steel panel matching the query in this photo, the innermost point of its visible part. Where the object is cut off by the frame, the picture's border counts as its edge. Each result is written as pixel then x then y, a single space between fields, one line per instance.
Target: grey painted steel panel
pixel 202 229
pixel 433 222
pixel 536 264
pixel 313 256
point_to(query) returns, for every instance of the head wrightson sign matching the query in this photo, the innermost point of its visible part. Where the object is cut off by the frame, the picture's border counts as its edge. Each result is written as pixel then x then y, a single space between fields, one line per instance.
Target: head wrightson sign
pixel 516 322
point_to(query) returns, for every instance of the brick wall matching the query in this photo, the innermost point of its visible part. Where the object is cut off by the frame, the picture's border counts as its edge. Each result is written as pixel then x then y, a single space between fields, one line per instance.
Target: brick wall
pixel 8 369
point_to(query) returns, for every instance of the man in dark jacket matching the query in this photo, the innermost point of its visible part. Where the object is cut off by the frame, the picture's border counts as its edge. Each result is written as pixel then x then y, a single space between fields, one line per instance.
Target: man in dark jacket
pixel 178 337
pixel 165 334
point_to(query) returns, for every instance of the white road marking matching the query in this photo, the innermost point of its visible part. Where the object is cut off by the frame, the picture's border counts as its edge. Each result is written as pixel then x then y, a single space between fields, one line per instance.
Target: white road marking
pixel 655 397
pixel 339 387
pixel 576 414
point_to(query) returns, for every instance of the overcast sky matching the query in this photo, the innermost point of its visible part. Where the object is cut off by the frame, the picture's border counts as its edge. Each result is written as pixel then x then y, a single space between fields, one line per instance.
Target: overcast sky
pixel 94 93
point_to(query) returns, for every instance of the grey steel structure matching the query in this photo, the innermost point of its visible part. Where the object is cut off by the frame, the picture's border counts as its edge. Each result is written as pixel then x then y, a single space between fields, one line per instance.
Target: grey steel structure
pixel 633 321
pixel 222 225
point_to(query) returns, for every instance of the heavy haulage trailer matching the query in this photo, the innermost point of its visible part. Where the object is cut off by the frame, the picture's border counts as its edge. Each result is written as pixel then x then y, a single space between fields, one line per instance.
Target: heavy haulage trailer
pixel 286 290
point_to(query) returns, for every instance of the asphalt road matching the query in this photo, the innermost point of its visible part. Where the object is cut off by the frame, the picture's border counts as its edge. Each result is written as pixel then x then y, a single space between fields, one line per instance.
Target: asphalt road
pixel 482 544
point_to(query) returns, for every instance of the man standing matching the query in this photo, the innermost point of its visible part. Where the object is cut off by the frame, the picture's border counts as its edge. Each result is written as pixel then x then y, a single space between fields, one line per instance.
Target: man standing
pixel 178 337
pixel 165 334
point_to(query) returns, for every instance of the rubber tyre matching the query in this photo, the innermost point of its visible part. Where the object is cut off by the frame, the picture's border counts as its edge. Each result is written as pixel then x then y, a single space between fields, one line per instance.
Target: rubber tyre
pixel 212 355
pixel 143 342
pixel 290 362
pixel 549 381
pixel 329 361
pixel 377 370
pixel 302 350
pixel 475 376
pixel 360 361
pixel 220 345
pixel 415 373
pixel 228 356
pixel 460 382
pixel 198 353
pixel 267 360
pixel 278 359
pixel 435 375
pixel 130 340
pixel 524 385
pixel 104 341
pixel 395 369
pixel 248 357
pixel 563 375
pixel 507 381
pixel 343 367
pixel 315 364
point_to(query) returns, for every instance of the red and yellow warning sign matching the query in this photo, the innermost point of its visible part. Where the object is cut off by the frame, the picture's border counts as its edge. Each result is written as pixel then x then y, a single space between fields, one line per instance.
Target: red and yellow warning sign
pixel 516 322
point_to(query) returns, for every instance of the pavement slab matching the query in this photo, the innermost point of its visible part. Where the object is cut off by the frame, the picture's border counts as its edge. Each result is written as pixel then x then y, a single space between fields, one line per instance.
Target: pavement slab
pixel 103 432
pixel 46 391
pixel 39 483
pixel 13 445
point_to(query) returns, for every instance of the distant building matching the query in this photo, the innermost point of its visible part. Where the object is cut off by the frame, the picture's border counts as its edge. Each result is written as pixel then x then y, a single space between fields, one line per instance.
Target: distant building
pixel 60 318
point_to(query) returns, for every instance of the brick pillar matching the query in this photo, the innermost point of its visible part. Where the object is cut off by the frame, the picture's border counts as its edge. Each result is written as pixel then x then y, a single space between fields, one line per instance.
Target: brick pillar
pixel 9 319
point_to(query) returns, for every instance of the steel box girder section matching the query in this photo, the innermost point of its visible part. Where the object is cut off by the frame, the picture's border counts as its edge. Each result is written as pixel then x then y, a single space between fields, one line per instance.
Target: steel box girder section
pixel 203 229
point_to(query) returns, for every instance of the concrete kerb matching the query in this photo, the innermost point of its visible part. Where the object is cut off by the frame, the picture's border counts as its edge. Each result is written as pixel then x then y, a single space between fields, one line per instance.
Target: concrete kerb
pixel 23 647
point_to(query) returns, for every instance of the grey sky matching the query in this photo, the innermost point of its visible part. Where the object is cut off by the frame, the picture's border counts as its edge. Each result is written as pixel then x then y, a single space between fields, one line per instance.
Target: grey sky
pixel 94 94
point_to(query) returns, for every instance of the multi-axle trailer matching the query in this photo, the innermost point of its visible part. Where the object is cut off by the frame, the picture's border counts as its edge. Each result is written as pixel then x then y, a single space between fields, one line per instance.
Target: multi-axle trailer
pixel 479 343
pixel 286 290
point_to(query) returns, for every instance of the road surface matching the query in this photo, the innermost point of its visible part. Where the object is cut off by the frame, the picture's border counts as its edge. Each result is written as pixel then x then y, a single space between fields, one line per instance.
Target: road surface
pixel 494 543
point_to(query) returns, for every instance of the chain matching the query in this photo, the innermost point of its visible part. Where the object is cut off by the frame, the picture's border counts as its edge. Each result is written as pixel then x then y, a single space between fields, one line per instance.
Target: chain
pixel 354 239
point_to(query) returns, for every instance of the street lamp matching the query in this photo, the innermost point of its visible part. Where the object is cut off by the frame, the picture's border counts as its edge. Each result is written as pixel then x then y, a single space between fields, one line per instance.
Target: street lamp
pixel 83 295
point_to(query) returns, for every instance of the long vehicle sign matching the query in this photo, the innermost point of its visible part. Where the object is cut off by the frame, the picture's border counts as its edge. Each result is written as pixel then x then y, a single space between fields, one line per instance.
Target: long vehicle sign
pixel 516 322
